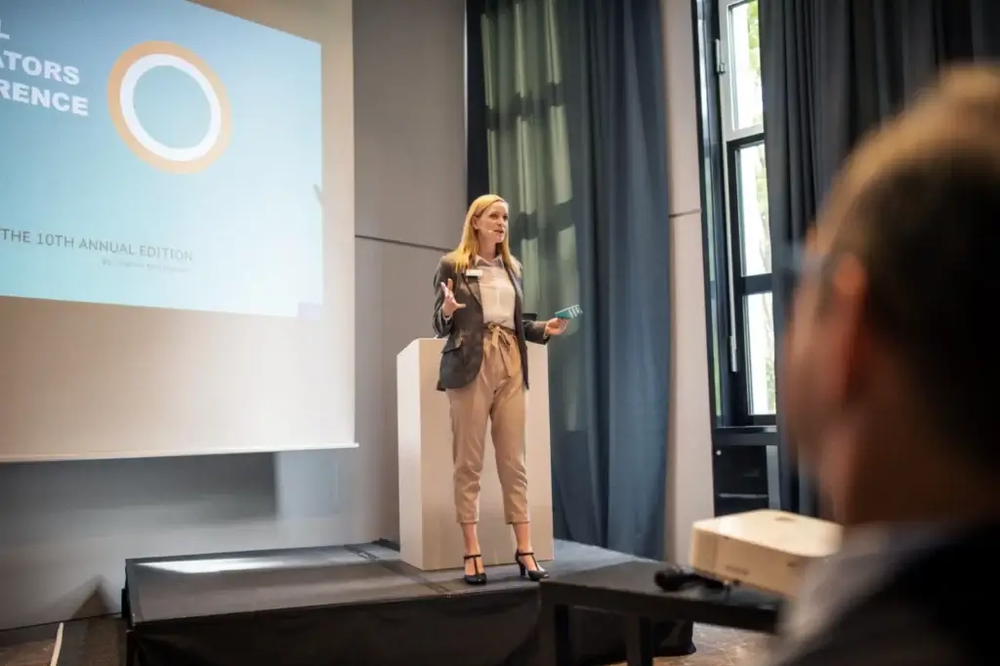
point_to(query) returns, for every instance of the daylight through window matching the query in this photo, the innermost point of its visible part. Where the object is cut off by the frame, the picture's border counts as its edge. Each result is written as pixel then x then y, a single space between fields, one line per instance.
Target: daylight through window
pixel 745 256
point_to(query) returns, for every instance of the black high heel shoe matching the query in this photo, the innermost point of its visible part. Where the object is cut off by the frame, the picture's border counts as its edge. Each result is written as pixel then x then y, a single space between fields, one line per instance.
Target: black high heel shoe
pixel 536 574
pixel 478 578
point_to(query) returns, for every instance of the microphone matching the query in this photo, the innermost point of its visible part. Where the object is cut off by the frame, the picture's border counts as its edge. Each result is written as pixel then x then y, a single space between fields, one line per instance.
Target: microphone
pixel 673 578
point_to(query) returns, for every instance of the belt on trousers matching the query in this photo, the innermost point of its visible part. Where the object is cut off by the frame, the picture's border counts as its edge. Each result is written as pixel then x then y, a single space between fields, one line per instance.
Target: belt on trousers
pixel 504 341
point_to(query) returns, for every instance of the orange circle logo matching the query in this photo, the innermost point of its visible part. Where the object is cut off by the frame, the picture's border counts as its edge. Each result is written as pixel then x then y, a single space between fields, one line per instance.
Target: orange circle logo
pixel 125 74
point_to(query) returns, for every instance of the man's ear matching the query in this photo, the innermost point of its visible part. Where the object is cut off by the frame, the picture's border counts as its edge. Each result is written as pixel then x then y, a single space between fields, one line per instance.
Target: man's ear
pixel 848 293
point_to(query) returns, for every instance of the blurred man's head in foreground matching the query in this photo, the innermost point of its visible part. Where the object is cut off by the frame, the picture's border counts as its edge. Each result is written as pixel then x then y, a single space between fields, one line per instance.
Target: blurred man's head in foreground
pixel 892 364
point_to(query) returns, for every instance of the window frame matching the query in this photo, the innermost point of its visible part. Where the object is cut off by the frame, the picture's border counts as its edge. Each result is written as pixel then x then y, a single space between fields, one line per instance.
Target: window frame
pixel 726 314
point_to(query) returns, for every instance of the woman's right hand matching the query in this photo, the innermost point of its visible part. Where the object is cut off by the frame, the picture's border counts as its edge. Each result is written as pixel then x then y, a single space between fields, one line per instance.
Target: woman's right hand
pixel 449 305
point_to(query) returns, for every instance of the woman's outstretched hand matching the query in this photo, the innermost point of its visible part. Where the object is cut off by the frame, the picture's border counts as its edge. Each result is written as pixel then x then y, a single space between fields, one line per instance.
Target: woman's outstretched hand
pixel 449 305
pixel 556 326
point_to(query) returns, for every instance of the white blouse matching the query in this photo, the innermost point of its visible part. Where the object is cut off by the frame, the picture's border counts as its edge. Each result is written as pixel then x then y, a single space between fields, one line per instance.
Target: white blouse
pixel 497 291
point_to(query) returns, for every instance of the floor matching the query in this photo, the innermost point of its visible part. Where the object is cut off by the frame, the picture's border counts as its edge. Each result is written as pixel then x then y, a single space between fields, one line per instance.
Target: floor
pixel 27 647
pixel 29 654
pixel 98 643
pixel 720 647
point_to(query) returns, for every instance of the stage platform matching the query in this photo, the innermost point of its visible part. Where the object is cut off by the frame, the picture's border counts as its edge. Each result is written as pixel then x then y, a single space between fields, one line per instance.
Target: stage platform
pixel 359 605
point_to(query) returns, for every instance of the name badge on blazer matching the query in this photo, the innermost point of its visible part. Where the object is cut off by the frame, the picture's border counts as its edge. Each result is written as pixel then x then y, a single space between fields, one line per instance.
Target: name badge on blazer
pixel 474 273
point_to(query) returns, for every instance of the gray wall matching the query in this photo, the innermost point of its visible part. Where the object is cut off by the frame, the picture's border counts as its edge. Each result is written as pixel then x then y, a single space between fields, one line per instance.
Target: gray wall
pixel 66 528
pixel 689 458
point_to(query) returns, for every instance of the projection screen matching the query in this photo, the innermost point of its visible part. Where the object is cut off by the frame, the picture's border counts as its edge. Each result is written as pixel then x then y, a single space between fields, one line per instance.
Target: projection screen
pixel 177 229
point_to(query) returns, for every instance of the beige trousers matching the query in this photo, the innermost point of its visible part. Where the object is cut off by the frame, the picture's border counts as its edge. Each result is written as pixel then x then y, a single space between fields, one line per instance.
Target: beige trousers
pixel 496 395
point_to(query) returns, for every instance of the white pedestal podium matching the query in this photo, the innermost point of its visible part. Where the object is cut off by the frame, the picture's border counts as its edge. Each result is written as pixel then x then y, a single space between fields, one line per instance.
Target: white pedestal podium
pixel 430 539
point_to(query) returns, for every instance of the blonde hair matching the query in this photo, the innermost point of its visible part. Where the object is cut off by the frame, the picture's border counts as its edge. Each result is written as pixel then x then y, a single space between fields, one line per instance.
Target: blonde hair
pixel 464 255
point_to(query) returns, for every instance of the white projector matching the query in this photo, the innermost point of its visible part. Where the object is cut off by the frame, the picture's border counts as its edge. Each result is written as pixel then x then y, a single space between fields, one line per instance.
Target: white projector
pixel 765 549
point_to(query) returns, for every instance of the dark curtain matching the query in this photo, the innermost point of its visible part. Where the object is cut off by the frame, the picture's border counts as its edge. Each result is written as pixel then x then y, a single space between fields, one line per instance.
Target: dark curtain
pixel 577 145
pixel 477 164
pixel 831 71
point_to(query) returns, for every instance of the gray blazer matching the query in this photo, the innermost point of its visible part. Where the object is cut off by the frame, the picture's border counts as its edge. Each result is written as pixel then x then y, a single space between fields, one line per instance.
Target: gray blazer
pixel 463 352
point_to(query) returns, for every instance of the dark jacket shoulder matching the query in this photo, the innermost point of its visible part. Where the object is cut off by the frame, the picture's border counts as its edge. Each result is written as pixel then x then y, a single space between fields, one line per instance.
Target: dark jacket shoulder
pixel 445 265
pixel 925 614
